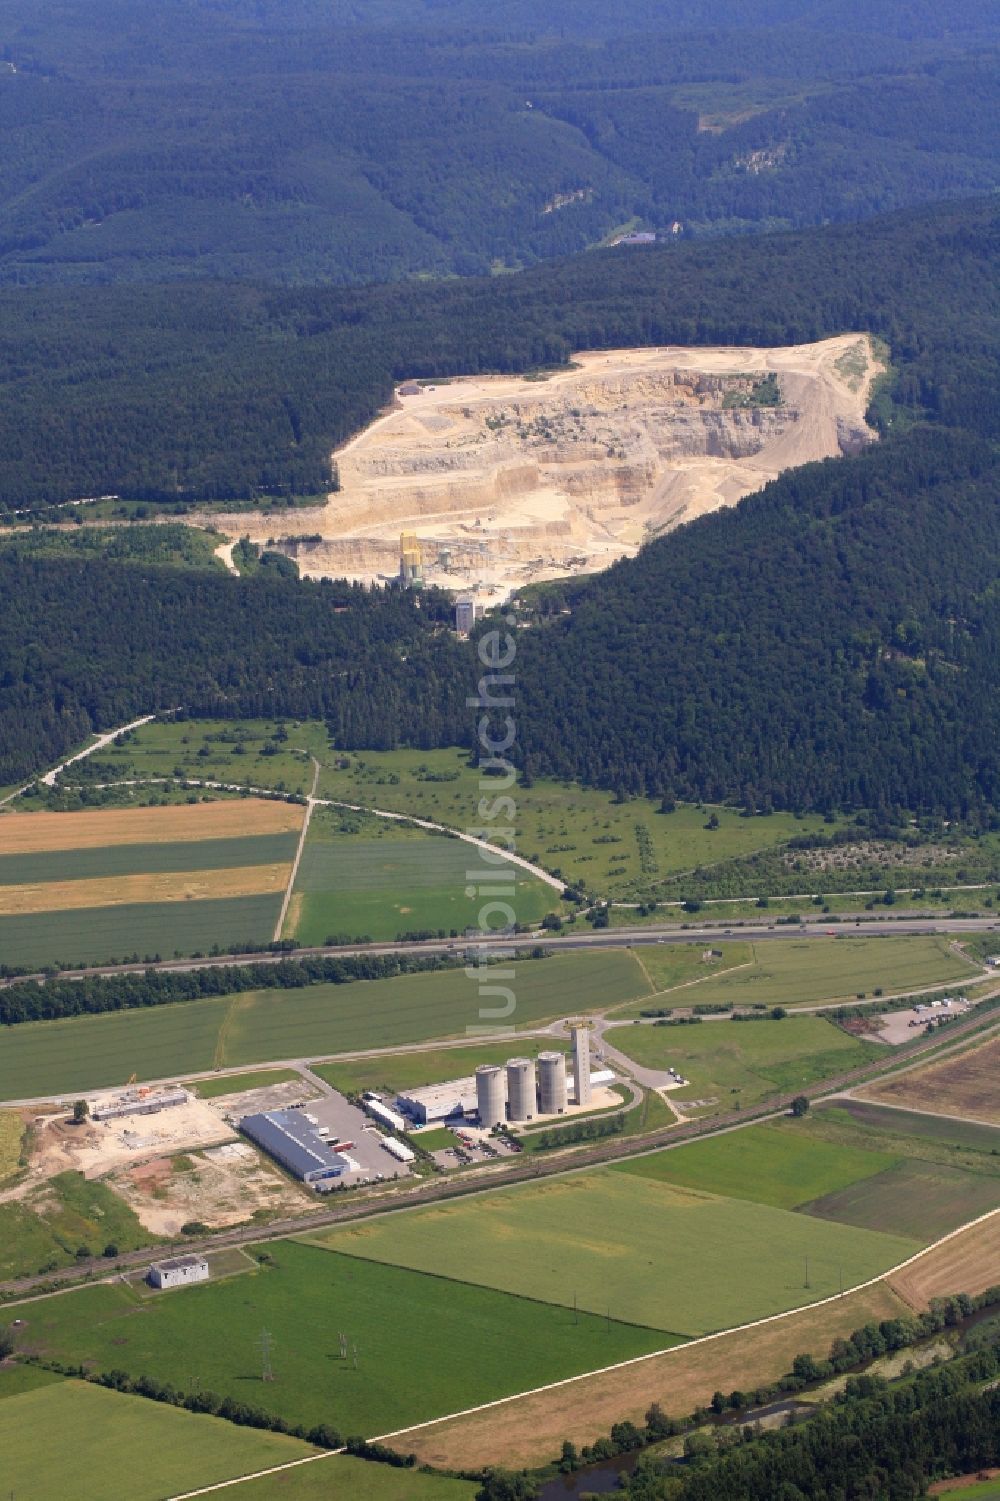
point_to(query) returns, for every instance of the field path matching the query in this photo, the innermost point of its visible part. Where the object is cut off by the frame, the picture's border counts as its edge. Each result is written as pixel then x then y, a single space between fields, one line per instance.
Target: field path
pixel 310 805
pixel 49 779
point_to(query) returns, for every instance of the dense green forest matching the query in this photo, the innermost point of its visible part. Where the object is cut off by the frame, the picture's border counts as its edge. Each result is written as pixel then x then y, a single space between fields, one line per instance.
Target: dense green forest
pixel 830 642
pixel 219 390
pixel 874 1440
pixel 345 143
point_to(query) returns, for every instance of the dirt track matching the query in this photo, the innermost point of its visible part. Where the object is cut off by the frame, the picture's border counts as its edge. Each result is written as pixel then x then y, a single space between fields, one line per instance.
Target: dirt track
pixel 506 480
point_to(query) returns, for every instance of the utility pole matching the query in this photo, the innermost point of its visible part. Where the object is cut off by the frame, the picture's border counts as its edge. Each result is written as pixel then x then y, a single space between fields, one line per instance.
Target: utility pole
pixel 266 1344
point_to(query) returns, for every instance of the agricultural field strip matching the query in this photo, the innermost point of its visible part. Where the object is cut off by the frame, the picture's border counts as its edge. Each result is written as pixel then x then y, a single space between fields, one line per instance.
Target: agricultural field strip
pixel 36 833
pixel 328 802
pixel 146 887
pixel 702 1339
pixel 224 1485
pixel 145 859
pixel 560 1168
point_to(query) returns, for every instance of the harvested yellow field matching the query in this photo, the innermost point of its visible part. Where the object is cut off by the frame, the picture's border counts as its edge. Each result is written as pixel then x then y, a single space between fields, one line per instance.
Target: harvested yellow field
pixel 11 1135
pixel 36 833
pixel 967 1263
pixel 120 891
pixel 532 1428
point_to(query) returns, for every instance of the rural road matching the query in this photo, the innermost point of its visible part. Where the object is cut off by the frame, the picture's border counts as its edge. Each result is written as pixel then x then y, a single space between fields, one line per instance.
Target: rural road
pixel 496 1176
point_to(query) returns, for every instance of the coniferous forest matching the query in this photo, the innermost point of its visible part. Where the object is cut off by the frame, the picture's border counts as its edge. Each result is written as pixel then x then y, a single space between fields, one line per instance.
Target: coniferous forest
pixel 831 642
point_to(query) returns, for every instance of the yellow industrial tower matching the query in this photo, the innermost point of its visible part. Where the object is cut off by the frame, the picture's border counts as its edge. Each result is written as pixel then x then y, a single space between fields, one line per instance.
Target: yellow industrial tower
pixel 411 561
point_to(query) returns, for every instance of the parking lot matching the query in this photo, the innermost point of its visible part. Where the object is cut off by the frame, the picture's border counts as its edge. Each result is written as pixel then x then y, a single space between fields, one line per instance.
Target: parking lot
pixel 348 1123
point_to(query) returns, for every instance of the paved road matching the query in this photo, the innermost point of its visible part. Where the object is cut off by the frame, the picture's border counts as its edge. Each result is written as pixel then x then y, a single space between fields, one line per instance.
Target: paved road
pixel 527 1168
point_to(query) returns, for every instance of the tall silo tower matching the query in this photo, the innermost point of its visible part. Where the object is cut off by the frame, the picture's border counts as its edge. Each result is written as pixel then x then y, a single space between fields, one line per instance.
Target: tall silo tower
pixel 581 1062
pixel 551 1084
pixel 522 1104
pixel 490 1095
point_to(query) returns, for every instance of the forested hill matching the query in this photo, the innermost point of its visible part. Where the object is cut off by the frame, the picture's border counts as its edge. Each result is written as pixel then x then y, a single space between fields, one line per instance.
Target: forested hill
pixel 832 641
pixel 222 391
pixel 301 141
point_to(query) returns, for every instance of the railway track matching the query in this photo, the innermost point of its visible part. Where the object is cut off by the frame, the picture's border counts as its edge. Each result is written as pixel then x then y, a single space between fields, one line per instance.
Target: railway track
pixel 529 1169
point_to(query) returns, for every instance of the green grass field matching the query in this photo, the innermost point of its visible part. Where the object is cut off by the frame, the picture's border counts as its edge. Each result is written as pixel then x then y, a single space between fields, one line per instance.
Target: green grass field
pixel 262 1078
pixel 17 1378
pixel 74 1439
pixel 426 1346
pixel 399 1071
pixel 771 1164
pixel 97 934
pixel 925 1199
pixel 340 1478
pixel 45 1229
pixel 678 972
pixel 11 1137
pixel 40 1058
pixel 650 1253
pixel 389 880
pixel 794 973
pixel 618 848
pixel 151 859
pixel 740 1063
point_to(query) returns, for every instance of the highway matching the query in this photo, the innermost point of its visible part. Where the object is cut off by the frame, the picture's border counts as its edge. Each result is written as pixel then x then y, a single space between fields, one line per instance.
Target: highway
pixel 585 938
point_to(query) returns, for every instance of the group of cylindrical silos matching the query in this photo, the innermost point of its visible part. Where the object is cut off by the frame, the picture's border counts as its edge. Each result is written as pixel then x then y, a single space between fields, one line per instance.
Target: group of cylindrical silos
pixel 525 1087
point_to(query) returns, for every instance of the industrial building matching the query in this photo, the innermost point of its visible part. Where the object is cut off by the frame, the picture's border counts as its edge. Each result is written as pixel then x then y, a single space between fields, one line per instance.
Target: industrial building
pixel 439 1102
pixel 178 1271
pixel 551 1084
pixel 374 1105
pixel 490 1100
pixel 580 1033
pixel 140 1101
pixel 522 1090
pixel 298 1143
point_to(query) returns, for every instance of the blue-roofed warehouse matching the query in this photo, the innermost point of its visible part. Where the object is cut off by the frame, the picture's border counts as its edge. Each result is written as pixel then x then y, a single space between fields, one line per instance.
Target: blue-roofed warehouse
pixel 292 1139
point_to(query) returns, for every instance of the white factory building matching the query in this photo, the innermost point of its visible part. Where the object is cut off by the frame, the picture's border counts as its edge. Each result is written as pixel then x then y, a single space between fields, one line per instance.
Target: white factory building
pixel 440 1102
pixel 178 1271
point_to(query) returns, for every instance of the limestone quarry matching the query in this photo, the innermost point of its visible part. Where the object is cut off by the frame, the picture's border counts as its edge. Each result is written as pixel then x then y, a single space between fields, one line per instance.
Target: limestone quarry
pixel 506 480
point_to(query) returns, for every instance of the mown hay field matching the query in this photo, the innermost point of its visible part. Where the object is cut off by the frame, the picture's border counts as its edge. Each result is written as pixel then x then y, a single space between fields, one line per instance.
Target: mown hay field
pixel 426 1346
pixel 963 1085
pixel 649 1253
pixel 30 833
pixel 142 890
pixel 75 1439
pixel 41 1058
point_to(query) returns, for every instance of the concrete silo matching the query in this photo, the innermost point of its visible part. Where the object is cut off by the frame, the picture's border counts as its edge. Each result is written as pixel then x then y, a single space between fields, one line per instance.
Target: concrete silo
pixel 551 1084
pixel 522 1104
pixel 581 1062
pixel 490 1095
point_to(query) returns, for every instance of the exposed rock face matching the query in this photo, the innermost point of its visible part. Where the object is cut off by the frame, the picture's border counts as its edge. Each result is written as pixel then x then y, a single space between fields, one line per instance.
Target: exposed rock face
pixel 509 479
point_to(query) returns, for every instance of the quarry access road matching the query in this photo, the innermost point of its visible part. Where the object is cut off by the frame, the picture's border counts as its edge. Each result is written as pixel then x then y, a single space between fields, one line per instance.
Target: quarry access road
pixel 601 938
pixel 494 1176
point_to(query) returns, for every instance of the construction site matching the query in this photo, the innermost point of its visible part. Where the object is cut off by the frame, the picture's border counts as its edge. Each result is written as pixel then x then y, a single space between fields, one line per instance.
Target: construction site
pixel 481 485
